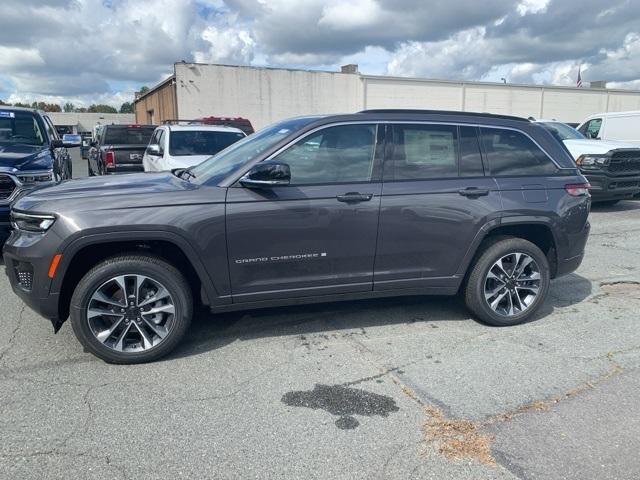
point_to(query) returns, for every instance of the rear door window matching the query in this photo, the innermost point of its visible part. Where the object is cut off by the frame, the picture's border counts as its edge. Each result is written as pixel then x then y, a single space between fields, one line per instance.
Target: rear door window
pixel 512 153
pixel 423 152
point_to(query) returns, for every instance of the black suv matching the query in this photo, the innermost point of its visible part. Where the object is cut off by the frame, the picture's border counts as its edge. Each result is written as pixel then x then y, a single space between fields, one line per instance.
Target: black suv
pixel 311 209
pixel 31 155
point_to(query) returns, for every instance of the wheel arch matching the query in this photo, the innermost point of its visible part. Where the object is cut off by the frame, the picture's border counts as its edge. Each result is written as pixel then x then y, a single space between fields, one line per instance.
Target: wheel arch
pixel 537 230
pixel 84 253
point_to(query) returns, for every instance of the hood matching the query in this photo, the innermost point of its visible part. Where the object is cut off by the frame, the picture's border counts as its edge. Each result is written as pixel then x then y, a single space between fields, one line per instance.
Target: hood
pixel 585 146
pixel 186 161
pixel 108 191
pixel 20 156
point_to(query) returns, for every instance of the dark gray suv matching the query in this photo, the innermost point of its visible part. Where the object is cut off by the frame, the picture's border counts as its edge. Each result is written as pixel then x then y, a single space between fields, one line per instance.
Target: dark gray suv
pixel 311 209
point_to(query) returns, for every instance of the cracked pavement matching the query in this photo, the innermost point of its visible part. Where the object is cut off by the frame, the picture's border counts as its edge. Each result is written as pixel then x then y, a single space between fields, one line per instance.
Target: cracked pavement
pixel 557 397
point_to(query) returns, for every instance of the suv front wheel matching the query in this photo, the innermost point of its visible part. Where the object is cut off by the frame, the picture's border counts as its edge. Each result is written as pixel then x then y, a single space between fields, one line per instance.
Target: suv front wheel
pixel 508 283
pixel 131 309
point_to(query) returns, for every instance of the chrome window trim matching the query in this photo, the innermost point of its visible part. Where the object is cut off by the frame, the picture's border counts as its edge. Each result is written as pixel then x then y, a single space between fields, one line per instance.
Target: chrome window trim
pixel 233 178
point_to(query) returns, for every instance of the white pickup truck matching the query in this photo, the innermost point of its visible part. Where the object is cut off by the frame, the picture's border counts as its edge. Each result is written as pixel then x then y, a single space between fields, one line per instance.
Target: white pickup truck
pixel 612 167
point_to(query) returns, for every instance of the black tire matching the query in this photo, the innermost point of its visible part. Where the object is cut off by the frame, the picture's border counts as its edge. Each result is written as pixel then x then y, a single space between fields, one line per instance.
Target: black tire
pixel 152 267
pixel 491 252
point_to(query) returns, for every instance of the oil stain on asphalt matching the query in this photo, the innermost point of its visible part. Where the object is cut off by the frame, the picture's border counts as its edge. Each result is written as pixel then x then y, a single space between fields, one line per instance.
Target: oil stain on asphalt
pixel 342 401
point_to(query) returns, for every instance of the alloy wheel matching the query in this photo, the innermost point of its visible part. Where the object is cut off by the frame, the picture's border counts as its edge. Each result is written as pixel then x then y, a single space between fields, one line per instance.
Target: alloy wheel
pixel 512 284
pixel 131 313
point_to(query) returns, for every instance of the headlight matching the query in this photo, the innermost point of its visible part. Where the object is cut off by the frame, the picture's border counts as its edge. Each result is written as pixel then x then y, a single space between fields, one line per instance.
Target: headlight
pixel 592 162
pixel 32 222
pixel 35 177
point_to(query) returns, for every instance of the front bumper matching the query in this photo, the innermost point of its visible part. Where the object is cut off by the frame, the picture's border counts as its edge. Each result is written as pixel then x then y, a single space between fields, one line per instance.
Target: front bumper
pixel 605 187
pixel 27 271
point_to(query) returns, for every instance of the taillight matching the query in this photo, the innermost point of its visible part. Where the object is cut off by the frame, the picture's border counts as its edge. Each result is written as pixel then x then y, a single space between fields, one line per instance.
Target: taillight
pixel 110 159
pixel 577 189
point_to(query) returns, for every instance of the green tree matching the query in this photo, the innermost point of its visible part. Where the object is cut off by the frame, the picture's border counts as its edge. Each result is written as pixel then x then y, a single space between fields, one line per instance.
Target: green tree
pixel 3 103
pixel 144 89
pixel 69 107
pixel 126 107
pixel 101 108
pixel 20 104
pixel 47 107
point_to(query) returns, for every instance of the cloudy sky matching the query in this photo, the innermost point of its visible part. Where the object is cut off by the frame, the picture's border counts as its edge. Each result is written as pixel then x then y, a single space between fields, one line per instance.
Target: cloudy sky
pixel 90 51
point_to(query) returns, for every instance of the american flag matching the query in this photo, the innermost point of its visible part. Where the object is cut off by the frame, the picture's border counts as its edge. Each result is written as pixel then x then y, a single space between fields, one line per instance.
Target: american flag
pixel 579 82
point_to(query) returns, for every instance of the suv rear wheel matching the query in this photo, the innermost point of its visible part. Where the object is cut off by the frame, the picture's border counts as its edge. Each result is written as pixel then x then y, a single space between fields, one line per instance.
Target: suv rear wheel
pixel 508 283
pixel 131 309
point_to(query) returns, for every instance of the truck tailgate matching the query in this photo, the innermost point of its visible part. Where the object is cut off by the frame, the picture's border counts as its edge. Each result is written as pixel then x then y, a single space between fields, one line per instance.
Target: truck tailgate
pixel 127 158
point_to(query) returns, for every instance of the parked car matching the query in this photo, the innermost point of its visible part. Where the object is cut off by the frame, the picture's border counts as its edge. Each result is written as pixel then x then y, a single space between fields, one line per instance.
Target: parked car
pixel 184 146
pixel 311 209
pixel 236 122
pixel 612 168
pixel 617 126
pixel 119 149
pixel 31 155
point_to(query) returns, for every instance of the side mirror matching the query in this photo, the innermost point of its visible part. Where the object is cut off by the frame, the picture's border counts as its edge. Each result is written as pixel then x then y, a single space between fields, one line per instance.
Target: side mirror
pixel 70 141
pixel 267 174
pixel 56 144
pixel 155 150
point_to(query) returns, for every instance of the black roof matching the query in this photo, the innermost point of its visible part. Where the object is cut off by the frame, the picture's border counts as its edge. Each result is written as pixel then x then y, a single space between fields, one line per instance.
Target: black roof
pixel 445 112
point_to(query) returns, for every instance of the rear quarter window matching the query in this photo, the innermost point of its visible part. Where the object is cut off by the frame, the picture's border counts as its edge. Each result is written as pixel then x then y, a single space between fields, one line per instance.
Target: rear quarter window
pixel 512 153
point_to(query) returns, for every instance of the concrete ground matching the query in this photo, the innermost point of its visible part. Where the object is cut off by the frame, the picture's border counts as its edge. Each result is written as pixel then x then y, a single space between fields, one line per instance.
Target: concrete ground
pixel 402 388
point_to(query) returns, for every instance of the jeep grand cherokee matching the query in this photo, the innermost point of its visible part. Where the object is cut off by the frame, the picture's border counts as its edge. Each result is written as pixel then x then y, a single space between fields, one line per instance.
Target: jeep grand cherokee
pixel 312 209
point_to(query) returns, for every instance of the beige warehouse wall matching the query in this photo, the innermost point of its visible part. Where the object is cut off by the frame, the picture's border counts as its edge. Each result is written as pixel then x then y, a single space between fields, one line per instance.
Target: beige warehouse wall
pixel 266 95
pixel 398 93
pixel 263 95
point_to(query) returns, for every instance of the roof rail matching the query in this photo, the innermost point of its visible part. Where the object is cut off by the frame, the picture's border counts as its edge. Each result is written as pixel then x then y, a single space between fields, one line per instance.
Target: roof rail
pixel 444 112
pixel 177 121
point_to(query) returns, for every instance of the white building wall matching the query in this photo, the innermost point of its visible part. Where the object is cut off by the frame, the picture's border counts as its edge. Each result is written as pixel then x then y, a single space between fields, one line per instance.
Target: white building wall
pixel 266 95
pixel 84 122
pixel 263 95
pixel 399 93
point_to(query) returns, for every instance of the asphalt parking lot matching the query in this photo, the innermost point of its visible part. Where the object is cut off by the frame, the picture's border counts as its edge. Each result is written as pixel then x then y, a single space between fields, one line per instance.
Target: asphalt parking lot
pixel 401 388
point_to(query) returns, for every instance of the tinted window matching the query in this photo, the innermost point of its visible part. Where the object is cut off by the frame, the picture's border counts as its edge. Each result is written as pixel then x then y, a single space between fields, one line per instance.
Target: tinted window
pixel 512 153
pixel 230 159
pixel 333 155
pixel 562 131
pixel 591 129
pixel 470 158
pixel 20 127
pixel 423 152
pixel 51 130
pixel 128 135
pixel 200 142
pixel 155 138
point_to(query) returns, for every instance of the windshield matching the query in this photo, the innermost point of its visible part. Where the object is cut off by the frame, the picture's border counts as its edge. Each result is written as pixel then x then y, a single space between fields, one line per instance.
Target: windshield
pixel 20 127
pixel 127 135
pixel 230 159
pixel 201 142
pixel 562 130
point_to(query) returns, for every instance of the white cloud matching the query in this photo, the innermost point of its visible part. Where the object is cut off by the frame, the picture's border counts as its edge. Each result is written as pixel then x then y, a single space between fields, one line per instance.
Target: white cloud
pixel 346 14
pixel 11 57
pixel 102 50
pixel 227 45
